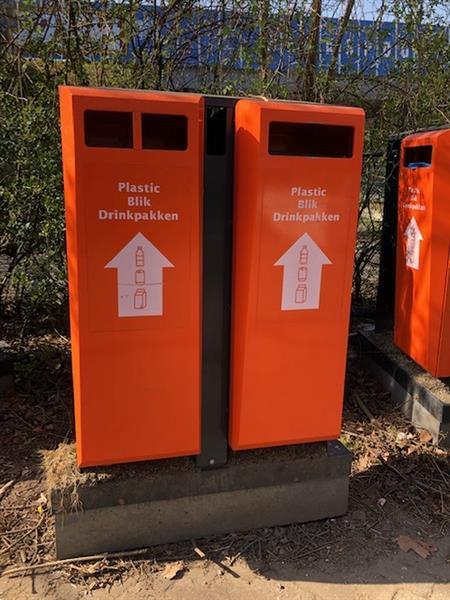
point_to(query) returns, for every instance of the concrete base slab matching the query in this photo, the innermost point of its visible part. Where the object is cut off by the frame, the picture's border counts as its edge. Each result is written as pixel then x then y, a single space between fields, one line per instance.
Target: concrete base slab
pixel 260 488
pixel 424 399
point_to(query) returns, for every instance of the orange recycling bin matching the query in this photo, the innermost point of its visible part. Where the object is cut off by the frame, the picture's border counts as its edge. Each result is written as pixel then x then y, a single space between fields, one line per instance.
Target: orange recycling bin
pixel 297 183
pixel 133 190
pixel 422 299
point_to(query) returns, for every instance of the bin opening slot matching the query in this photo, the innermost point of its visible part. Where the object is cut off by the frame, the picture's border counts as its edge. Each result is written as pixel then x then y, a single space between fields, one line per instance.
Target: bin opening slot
pixel 108 129
pixel 310 139
pixel 164 132
pixel 417 156
pixel 216 130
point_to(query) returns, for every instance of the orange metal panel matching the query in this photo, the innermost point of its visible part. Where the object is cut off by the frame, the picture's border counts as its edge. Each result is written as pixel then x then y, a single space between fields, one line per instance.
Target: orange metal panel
pixel 295 228
pixel 134 255
pixel 422 303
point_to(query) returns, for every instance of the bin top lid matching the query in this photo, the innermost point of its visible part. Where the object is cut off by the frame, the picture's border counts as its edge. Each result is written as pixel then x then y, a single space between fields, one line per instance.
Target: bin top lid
pixel 119 93
pixel 428 136
pixel 293 105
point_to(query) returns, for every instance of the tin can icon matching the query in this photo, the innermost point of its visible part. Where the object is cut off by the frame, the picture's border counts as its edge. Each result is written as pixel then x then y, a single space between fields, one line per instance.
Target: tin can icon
pixel 139 258
pixel 302 274
pixel 303 256
pixel 140 299
pixel 300 293
pixel 139 277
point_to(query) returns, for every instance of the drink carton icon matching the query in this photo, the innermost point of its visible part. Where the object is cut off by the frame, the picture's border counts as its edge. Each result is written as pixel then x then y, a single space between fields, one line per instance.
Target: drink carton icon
pixel 300 294
pixel 140 299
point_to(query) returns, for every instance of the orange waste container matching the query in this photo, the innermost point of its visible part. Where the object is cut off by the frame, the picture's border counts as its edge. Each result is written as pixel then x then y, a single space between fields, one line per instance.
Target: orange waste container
pixel 422 299
pixel 133 189
pixel 297 183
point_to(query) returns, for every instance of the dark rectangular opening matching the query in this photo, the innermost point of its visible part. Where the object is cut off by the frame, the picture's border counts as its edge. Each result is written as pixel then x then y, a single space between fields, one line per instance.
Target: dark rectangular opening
pixel 108 129
pixel 310 139
pixel 216 130
pixel 164 132
pixel 417 156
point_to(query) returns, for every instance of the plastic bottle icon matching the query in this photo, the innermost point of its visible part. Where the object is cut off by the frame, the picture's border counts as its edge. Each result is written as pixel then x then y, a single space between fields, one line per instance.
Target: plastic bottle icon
pixel 139 259
pixel 139 277
pixel 302 274
pixel 300 294
pixel 303 256
pixel 140 299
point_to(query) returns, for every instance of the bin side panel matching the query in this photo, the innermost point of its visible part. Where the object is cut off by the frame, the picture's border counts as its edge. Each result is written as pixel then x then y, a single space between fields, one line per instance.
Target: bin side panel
pixel 442 221
pixel 69 177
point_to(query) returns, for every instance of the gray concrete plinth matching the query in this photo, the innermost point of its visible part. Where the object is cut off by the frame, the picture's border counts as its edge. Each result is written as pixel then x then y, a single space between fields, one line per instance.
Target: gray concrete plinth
pixel 423 399
pixel 255 489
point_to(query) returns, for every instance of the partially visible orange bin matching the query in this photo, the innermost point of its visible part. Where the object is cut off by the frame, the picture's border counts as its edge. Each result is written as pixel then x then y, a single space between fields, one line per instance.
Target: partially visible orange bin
pixel 133 188
pixel 422 299
pixel 297 185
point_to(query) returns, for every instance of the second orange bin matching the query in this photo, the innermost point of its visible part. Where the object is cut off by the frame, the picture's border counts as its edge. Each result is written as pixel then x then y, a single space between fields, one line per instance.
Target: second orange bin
pixel 422 300
pixel 297 180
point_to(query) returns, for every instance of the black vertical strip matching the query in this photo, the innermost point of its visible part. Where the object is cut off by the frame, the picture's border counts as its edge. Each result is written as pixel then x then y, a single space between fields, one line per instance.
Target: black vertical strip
pixel 217 245
pixel 386 278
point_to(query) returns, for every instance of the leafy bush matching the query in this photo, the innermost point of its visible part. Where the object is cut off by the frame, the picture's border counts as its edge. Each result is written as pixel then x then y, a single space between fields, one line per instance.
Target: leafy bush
pixel 47 43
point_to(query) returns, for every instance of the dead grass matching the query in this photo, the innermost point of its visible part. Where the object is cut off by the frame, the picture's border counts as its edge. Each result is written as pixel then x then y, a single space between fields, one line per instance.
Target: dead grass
pixel 60 471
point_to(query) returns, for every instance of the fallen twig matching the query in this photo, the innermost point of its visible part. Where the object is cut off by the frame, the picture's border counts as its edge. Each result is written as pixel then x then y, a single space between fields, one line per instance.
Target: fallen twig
pixel 6 487
pixel 393 469
pixel 363 406
pixel 219 563
pixel 14 531
pixel 246 547
pixel 316 549
pixel 19 539
pixel 444 477
pixel 67 561
pixel 351 433
pixel 198 551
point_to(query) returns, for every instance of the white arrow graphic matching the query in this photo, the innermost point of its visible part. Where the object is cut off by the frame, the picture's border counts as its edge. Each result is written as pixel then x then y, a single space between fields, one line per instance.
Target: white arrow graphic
pixel 413 238
pixel 139 278
pixel 302 274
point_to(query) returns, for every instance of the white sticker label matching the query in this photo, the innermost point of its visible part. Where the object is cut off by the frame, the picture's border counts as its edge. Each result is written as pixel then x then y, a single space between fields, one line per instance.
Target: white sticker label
pixel 413 238
pixel 139 278
pixel 302 276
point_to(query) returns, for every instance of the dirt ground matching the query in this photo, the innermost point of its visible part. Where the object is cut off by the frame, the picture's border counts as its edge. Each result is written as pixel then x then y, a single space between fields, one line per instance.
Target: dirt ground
pixel 393 544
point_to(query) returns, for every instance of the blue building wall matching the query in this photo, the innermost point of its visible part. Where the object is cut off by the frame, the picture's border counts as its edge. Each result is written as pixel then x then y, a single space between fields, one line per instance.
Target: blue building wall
pixel 367 47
